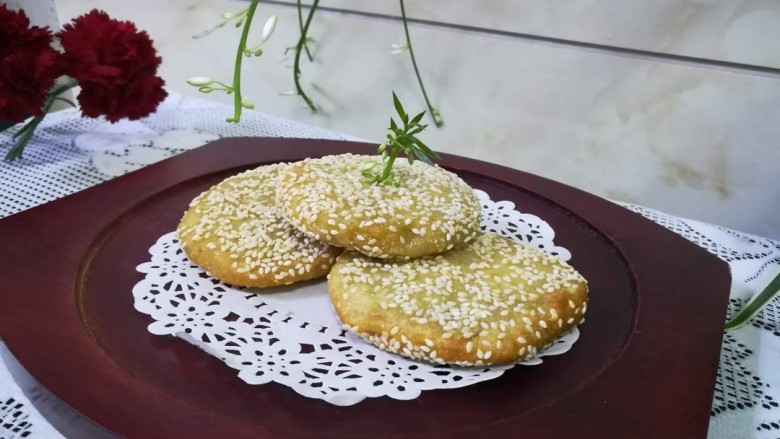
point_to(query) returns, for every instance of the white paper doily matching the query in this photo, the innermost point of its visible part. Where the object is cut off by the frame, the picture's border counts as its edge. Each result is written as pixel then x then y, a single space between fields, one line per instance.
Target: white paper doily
pixel 291 335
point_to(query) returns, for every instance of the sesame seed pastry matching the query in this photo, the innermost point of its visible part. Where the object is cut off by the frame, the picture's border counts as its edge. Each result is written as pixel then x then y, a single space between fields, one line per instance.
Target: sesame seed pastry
pixel 491 301
pixel 429 211
pixel 235 233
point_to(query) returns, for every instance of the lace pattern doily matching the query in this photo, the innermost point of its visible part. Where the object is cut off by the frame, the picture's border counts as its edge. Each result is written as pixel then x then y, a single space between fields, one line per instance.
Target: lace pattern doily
pixel 291 335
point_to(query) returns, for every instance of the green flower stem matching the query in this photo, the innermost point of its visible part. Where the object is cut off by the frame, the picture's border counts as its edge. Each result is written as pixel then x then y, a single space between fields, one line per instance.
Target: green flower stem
pixel 300 26
pixel 756 304
pixel 389 164
pixel 437 119
pixel 24 135
pixel 298 51
pixel 238 104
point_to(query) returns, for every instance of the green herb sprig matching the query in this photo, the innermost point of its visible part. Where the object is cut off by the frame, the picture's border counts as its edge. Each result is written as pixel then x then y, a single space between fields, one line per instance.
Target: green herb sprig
pixel 400 139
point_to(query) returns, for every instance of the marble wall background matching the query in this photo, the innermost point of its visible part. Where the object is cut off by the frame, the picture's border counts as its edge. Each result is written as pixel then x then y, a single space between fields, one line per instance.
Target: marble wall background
pixel 695 139
pixel 716 29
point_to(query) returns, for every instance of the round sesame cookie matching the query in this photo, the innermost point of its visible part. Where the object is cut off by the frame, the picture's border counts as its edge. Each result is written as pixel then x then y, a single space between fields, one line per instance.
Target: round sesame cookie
pixel 491 301
pixel 429 211
pixel 235 232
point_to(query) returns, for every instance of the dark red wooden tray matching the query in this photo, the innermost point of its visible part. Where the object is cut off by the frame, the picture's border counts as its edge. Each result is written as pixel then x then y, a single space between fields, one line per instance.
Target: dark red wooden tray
pixel 644 367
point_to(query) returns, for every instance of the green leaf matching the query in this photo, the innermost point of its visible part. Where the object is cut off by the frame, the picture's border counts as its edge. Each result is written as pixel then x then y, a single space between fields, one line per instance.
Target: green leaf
pixel 417 118
pixel 755 305
pixel 424 158
pixel 400 109
pixel 393 125
pixel 425 148
pixel 416 130
pixel 25 128
pixel 24 135
pixel 368 173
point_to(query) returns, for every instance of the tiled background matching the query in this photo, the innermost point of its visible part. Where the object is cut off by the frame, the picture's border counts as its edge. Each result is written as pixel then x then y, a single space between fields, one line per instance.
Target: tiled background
pixel 673 104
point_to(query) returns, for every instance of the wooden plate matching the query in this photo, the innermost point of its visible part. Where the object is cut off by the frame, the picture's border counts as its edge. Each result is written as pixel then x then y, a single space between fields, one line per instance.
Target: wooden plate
pixel 644 367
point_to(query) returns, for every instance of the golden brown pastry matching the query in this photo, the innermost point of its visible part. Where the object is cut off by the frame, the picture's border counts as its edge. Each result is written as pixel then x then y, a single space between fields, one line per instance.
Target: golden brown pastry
pixel 430 210
pixel 235 232
pixel 491 301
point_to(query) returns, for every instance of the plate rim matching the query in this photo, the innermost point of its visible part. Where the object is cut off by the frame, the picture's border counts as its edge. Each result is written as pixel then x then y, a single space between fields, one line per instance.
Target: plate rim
pixel 30 227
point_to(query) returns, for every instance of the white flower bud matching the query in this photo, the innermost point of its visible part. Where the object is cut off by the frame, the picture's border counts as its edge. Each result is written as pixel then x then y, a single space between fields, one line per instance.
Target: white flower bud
pixel 199 80
pixel 269 27
pixel 246 103
pixel 398 48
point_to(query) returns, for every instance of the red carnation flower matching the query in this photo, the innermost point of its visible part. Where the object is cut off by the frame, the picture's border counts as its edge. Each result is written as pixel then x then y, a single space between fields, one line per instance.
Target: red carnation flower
pixel 28 66
pixel 114 64
pixel 134 100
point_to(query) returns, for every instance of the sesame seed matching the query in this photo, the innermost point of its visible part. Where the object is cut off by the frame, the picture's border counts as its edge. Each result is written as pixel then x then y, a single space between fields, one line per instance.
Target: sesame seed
pixel 238 220
pixel 334 186
pixel 478 290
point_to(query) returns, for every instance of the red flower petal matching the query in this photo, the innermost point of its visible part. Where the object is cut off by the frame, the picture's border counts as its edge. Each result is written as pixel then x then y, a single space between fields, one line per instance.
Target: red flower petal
pixel 115 65
pixel 132 100
pixel 28 66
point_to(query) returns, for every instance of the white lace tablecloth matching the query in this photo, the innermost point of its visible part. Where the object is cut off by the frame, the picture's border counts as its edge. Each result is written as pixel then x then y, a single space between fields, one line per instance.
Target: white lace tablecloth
pixel 69 153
